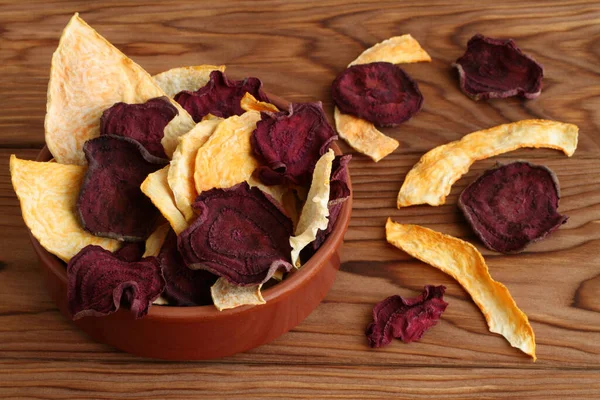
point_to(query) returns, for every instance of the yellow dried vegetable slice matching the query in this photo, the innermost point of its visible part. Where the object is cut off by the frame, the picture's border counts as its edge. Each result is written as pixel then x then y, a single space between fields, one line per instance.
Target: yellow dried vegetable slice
pixel 463 262
pixel 155 240
pixel 48 193
pixel 181 170
pixel 156 187
pixel 396 50
pixel 275 191
pixel 315 211
pixel 226 158
pixel 225 295
pixel 191 78
pixel 87 76
pixel 249 103
pixel 431 179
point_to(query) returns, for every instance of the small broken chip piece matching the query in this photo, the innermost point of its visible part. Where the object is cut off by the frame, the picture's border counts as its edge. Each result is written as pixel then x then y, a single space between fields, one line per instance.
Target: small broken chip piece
pixel 226 295
pixel 406 319
pixel 191 78
pixel 512 205
pixel 87 76
pixel 313 217
pixel 220 96
pixel 240 234
pixel 290 143
pixel 463 262
pixel 181 170
pixel 155 241
pixel 226 158
pixel 431 179
pixel 250 103
pixel 144 122
pixel 48 194
pixel 396 50
pixel 156 187
pixel 497 68
pixel 99 283
pixel 380 92
pixel 110 202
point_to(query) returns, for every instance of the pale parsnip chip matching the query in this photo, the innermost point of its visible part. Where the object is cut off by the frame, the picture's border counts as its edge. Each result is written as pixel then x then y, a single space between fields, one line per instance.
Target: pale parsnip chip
pixel 156 240
pixel 463 262
pixel 431 179
pixel 181 170
pixel 225 295
pixel 87 76
pixel 250 103
pixel 362 136
pixel 48 193
pixel 275 191
pixel 315 211
pixel 191 78
pixel 156 187
pixel 226 158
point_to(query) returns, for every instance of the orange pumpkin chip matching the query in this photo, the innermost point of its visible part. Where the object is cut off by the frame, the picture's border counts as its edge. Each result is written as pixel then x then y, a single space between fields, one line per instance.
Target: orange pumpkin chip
pixel 463 262
pixel 250 103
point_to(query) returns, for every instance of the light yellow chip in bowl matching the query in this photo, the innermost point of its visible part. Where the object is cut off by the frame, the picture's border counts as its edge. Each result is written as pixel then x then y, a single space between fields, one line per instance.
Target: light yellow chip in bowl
pixel 156 187
pixel 191 78
pixel 225 295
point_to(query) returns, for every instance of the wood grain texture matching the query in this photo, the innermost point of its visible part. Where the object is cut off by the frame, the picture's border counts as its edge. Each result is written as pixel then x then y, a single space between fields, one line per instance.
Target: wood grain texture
pixel 297 49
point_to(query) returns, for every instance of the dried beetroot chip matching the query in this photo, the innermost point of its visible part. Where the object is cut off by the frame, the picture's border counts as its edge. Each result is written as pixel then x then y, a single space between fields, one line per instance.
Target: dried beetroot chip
pixel 220 96
pixel 131 251
pixel 512 205
pixel 240 234
pixel 497 68
pixel 185 287
pixel 379 92
pixel 144 123
pixel 290 143
pixel 110 202
pixel 406 319
pixel 99 283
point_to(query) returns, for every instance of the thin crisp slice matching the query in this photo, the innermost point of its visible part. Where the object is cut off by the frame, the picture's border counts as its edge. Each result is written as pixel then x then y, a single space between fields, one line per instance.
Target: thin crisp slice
pixel 181 172
pixel 191 78
pixel 431 179
pixel 276 191
pixel 250 103
pixel 155 240
pixel 396 50
pixel 156 187
pixel 87 76
pixel 315 211
pixel 226 295
pixel 363 136
pixel 48 193
pixel 226 158
pixel 463 262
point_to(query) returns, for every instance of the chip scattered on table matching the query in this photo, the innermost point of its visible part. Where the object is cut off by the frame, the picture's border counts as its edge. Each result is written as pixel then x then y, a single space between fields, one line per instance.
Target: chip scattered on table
pixel 402 49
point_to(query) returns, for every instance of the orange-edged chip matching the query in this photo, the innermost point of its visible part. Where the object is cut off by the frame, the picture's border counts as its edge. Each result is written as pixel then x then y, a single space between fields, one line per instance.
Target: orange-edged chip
pixel 225 295
pixel 463 262
pixel 181 170
pixel 250 103
pixel 191 78
pixel 156 187
pixel 48 193
pixel 431 179
pixel 396 50
pixel 226 158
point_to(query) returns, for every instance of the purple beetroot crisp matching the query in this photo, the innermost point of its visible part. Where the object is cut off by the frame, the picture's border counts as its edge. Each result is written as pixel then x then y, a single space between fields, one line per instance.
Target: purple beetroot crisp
pixel 220 96
pixel 512 205
pixel 289 144
pixel 99 283
pixel 497 68
pixel 144 123
pixel 406 319
pixel 240 234
pixel 379 92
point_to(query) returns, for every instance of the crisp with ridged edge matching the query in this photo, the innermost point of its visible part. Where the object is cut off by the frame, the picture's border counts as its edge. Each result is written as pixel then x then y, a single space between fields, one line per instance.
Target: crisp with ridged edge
pixel 226 295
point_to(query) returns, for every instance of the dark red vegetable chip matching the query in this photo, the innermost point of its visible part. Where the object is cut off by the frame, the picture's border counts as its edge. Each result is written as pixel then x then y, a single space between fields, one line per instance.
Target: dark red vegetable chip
pixel 220 96
pixel 497 68
pixel 131 251
pixel 99 283
pixel 290 143
pixel 406 319
pixel 110 202
pixel 185 287
pixel 240 234
pixel 512 205
pixel 379 92
pixel 144 123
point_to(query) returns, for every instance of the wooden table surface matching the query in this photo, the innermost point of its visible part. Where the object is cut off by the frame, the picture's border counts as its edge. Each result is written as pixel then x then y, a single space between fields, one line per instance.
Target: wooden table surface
pixel 297 48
